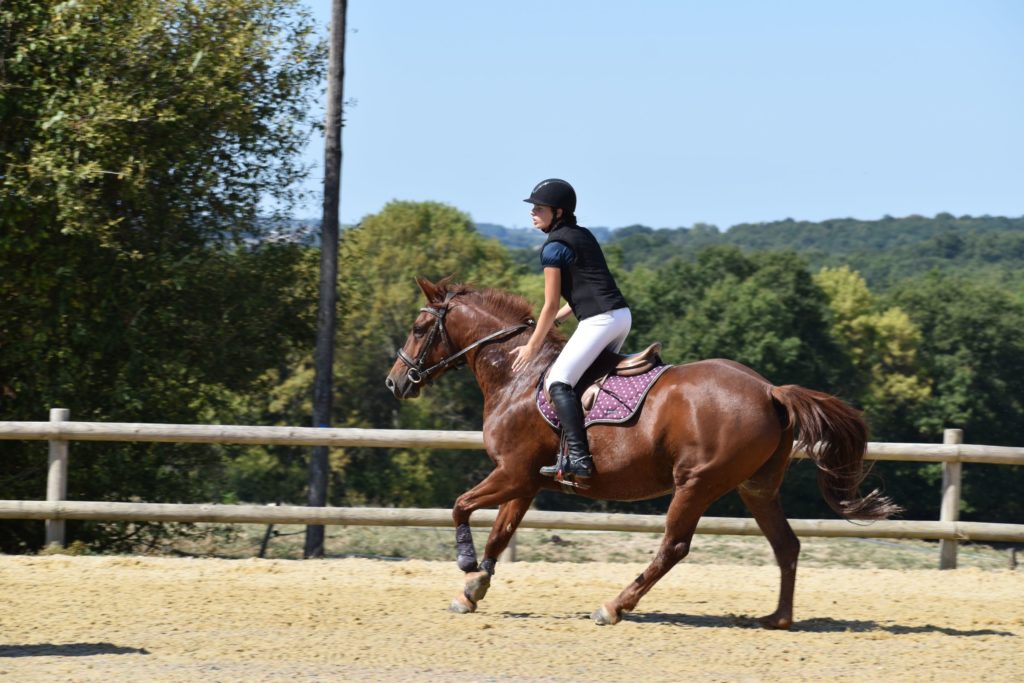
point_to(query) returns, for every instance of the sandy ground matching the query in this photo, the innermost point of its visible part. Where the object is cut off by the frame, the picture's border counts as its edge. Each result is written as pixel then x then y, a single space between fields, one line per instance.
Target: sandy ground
pixel 68 618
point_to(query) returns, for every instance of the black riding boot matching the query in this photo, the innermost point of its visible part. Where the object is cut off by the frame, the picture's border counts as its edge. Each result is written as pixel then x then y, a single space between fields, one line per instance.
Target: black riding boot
pixel 577 462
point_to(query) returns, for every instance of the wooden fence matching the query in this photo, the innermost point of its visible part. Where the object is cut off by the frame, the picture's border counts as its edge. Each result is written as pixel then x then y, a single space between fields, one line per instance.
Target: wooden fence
pixel 952 453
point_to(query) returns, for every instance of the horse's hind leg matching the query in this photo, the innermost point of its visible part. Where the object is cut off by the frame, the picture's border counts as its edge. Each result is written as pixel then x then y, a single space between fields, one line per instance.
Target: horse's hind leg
pixel 688 504
pixel 510 514
pixel 772 521
pixel 760 494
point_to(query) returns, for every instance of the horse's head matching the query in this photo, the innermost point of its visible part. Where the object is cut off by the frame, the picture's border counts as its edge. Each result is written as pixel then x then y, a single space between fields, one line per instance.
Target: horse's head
pixel 432 347
pixel 428 349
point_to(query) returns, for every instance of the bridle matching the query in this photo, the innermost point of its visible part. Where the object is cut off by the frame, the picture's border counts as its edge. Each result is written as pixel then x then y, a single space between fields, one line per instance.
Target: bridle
pixel 417 373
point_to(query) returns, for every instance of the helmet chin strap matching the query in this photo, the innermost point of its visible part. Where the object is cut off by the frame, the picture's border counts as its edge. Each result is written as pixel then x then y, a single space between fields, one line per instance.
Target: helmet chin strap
pixel 556 219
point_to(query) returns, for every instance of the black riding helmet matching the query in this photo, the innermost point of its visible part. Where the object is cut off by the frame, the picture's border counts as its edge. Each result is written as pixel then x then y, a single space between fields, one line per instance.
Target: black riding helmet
pixel 555 193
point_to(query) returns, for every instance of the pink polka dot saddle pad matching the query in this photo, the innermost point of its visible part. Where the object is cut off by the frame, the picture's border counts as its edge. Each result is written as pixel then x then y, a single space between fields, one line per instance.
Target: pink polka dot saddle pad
pixel 618 399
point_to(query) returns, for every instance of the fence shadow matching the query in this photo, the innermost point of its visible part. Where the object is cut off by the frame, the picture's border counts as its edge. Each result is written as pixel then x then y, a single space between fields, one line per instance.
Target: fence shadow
pixel 68 650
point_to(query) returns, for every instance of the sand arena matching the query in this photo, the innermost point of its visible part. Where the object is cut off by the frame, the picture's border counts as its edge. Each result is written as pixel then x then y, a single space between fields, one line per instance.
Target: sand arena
pixel 68 618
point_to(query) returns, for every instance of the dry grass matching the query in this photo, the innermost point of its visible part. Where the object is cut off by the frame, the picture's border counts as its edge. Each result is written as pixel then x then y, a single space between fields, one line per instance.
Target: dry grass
pixel 537 545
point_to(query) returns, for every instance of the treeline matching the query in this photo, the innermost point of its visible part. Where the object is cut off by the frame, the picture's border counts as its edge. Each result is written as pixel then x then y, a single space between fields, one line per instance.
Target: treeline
pixel 885 252
pixel 140 284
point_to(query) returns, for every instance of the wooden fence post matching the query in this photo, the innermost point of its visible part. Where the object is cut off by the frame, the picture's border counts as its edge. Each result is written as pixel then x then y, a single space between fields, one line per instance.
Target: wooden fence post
pixel 950 510
pixel 509 554
pixel 57 479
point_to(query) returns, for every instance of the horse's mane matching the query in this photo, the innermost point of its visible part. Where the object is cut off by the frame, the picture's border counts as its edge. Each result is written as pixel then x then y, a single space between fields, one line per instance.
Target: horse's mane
pixel 504 305
pixel 508 307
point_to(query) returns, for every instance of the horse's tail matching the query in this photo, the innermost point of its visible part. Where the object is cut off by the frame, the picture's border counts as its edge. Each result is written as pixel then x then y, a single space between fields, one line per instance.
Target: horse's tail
pixel 835 436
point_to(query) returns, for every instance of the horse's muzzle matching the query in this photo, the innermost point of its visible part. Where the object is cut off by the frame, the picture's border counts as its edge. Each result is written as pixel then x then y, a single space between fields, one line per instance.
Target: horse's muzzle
pixel 402 387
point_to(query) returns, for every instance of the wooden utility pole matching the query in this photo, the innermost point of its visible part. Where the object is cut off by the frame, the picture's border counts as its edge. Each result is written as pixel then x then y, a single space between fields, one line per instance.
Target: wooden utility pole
pixel 327 316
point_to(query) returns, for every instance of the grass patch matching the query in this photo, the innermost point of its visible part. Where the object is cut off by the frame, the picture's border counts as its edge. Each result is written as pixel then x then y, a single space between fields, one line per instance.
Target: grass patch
pixel 539 545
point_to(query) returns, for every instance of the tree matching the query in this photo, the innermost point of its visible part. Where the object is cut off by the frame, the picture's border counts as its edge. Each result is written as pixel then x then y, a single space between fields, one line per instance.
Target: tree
pixel 323 357
pixel 972 349
pixel 148 124
pixel 973 352
pixel 762 310
pixel 139 139
pixel 882 343
pixel 378 302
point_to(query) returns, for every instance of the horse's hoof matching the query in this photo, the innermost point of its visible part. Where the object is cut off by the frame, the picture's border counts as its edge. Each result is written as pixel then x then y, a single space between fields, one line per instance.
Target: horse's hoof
pixel 477 585
pixel 605 616
pixel 462 605
pixel 775 622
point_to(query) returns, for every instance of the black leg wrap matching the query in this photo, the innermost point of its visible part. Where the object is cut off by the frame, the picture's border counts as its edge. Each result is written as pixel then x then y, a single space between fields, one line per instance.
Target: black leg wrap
pixel 464 548
pixel 488 566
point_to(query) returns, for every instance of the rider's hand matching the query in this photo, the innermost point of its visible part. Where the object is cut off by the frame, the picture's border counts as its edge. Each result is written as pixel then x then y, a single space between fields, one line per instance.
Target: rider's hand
pixel 521 355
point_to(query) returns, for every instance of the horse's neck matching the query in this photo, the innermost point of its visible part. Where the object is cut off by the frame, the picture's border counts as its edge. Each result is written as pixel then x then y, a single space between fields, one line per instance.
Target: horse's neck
pixel 492 363
pixel 506 394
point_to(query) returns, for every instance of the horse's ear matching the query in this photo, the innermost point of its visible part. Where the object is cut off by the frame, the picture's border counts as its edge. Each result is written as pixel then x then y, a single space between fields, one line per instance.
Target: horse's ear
pixel 430 290
pixel 435 292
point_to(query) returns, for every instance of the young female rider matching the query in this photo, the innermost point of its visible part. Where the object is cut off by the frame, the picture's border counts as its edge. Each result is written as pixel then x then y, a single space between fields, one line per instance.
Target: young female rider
pixel 574 269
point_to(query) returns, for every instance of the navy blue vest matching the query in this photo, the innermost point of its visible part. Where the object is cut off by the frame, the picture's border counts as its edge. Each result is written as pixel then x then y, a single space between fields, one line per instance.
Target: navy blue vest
pixel 587 284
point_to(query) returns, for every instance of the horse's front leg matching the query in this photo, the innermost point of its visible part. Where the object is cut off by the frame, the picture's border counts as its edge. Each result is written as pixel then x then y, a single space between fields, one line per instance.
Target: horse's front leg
pixel 514 496
pixel 477 582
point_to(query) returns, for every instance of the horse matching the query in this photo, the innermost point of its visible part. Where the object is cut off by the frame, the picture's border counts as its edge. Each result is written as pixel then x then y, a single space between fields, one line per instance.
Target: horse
pixel 706 428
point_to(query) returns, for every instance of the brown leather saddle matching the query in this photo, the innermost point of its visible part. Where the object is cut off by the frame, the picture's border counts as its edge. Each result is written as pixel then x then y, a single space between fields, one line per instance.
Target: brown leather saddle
pixel 610 363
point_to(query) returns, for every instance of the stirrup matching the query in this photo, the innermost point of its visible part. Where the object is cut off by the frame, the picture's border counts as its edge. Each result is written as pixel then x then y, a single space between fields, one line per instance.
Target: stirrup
pixel 552 470
pixel 561 460
pixel 568 469
pixel 582 467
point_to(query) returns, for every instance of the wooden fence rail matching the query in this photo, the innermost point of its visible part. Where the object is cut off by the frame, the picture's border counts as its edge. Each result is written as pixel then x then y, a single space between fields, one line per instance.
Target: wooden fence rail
pixel 414 438
pixel 536 519
pixel 59 432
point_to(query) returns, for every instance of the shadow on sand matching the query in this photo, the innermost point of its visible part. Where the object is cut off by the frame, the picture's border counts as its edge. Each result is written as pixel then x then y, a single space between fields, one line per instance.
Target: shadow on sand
pixel 68 650
pixel 818 625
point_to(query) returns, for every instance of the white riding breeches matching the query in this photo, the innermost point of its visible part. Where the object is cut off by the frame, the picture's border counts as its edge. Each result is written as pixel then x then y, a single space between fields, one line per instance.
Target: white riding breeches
pixel 592 336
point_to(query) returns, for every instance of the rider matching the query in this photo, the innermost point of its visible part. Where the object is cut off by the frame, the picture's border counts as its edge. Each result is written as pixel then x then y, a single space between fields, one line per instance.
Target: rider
pixel 574 269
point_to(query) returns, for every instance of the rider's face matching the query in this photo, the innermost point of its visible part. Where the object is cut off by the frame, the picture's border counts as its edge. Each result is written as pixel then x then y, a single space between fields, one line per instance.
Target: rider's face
pixel 542 216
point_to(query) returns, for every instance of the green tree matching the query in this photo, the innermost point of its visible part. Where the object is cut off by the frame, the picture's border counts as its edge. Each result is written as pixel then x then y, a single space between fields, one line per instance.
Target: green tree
pixel 379 260
pixel 139 139
pixel 882 343
pixel 762 310
pixel 973 352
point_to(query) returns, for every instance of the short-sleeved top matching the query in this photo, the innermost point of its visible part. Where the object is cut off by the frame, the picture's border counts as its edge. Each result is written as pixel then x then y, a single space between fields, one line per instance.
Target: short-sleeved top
pixel 557 255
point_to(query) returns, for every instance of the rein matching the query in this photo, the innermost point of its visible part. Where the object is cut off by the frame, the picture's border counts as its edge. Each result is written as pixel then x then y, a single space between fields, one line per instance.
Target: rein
pixel 417 373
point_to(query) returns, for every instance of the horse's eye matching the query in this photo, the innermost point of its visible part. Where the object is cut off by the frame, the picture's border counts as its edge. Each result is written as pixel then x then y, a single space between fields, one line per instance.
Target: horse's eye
pixel 418 332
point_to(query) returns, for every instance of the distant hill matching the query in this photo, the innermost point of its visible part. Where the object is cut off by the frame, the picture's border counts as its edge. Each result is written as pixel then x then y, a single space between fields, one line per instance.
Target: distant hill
pixel 513 238
pixel 528 238
pixel 884 251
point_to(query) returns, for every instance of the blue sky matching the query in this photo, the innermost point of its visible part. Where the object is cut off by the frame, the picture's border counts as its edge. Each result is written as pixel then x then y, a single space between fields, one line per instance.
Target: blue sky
pixel 673 113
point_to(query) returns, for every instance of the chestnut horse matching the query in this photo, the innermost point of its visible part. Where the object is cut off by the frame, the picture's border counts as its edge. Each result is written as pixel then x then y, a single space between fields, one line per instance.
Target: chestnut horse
pixel 705 428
